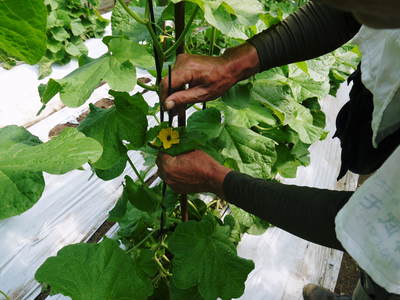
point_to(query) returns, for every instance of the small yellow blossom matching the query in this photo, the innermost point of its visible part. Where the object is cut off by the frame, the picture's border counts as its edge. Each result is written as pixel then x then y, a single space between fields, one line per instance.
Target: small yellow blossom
pixel 168 137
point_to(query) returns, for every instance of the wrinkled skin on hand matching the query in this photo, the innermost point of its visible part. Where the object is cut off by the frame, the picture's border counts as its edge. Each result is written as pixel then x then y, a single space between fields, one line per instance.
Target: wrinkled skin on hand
pixel 192 172
pixel 208 77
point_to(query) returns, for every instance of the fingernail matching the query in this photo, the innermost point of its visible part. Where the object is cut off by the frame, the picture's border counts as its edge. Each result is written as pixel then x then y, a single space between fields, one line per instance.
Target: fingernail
pixel 169 105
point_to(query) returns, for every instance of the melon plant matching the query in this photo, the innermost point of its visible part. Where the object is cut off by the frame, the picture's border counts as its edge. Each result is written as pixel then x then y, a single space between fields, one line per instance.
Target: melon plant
pixel 169 246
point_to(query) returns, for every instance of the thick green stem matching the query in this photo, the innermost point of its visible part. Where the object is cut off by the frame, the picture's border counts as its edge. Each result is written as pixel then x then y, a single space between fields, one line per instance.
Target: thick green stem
pixel 132 13
pixel 135 170
pixel 181 38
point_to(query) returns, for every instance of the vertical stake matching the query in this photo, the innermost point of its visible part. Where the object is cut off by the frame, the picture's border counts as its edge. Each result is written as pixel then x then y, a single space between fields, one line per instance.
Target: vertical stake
pixel 179 27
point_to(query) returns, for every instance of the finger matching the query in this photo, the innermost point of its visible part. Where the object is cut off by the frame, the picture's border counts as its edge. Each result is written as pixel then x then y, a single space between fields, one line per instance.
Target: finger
pixel 179 78
pixel 192 95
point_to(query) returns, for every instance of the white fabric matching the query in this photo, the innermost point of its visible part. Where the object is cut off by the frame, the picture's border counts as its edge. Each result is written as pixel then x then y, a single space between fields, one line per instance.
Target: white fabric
pixel 380 68
pixel 368 226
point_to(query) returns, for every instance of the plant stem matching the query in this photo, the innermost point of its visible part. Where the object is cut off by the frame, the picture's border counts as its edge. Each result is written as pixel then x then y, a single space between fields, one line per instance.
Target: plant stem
pixel 181 37
pixel 211 203
pixel 132 13
pixel 162 267
pixel 195 209
pixel 142 241
pixel 135 170
pixel 212 41
pixel 147 87
pixel 156 118
pixel 5 295
pixel 158 52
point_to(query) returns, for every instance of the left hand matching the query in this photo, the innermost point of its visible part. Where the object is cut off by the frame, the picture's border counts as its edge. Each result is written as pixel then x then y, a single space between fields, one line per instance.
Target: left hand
pixel 192 172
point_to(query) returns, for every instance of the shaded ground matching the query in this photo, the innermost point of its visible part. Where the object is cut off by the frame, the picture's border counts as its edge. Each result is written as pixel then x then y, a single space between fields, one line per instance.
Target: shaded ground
pixel 348 276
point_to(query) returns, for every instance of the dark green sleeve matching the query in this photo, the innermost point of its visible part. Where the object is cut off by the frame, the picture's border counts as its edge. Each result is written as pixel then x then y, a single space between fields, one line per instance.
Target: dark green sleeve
pixel 306 212
pixel 314 30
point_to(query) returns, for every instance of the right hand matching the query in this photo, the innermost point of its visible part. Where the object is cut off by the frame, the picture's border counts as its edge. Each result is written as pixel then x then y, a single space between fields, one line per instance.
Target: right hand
pixel 208 77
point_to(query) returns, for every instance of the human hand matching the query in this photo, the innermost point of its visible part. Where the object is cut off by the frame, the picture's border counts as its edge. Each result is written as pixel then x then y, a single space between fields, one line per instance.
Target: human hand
pixel 208 77
pixel 192 172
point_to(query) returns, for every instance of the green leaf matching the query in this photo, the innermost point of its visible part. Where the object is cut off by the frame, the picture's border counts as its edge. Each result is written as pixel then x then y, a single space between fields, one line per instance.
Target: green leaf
pixel 204 125
pixel 23 29
pixel 122 24
pixel 231 17
pixel 120 208
pixel 77 28
pixel 205 257
pixel 179 294
pixel 58 18
pixel 66 152
pixel 241 148
pixel 302 86
pixel 48 91
pixel 126 121
pixel 72 49
pixel 286 164
pixel 248 222
pixel 59 34
pixel 94 271
pixel 252 153
pixel 289 111
pixel 23 157
pixel 236 230
pixel 136 222
pixel 242 110
pixel 123 50
pixel 118 68
pixel 45 67
pixel 141 196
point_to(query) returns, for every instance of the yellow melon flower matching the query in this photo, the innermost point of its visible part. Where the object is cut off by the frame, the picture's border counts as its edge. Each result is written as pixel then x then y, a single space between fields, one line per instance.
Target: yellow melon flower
pixel 168 137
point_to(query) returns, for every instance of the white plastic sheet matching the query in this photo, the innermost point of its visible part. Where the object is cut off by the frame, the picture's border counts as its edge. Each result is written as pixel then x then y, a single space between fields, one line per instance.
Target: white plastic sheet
pixel 74 205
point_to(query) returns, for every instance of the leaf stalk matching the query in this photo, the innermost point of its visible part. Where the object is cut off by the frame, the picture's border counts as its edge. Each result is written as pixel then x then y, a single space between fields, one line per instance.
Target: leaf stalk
pixel 135 170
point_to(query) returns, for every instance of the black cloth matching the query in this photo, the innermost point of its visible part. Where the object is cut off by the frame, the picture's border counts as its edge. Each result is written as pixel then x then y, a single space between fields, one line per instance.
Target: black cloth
pixel 355 133
pixel 315 29
pixel 305 212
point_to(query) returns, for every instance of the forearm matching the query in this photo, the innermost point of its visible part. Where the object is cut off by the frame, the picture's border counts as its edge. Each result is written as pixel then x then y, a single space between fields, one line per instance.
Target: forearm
pixel 312 31
pixel 305 212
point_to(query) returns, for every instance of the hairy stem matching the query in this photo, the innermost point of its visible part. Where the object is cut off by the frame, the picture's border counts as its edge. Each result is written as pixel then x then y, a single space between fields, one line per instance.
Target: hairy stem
pixel 135 170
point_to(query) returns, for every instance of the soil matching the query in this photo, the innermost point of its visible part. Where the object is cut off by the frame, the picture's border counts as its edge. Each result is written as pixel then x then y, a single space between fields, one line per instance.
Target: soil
pixel 60 127
pixel 348 276
pixel 102 103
